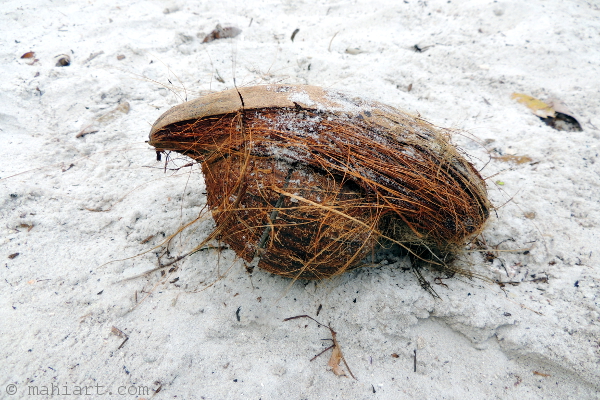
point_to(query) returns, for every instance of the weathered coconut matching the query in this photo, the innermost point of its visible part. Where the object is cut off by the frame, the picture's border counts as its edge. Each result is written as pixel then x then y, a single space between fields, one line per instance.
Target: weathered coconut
pixel 308 182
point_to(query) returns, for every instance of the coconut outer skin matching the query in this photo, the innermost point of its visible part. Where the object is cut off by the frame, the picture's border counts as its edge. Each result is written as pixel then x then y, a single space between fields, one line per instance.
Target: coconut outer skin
pixel 267 96
pixel 395 177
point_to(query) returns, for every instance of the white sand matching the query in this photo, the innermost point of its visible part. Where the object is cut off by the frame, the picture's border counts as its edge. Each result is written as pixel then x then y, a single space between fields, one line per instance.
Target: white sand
pixel 59 298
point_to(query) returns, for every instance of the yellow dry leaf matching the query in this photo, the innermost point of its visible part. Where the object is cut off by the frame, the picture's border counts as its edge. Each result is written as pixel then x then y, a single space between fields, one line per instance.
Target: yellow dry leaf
pixel 536 106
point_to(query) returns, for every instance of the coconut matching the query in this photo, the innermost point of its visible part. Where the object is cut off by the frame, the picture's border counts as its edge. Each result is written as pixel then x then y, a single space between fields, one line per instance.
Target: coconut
pixel 307 182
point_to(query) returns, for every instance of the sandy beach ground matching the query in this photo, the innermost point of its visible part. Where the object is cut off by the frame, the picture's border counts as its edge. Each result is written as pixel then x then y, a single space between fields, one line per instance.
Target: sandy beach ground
pixel 83 203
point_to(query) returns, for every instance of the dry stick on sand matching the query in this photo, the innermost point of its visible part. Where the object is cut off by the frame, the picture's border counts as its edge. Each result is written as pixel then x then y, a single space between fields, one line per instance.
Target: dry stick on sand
pixel 336 354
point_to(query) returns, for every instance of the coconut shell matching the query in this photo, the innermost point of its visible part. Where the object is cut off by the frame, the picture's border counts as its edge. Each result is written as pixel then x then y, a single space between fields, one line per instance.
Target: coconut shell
pixel 306 182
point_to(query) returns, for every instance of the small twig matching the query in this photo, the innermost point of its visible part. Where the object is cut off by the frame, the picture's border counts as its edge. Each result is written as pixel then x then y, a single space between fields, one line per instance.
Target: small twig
pixel 329 348
pixel 92 56
pixel 333 37
pixel 415 361
pixel 121 334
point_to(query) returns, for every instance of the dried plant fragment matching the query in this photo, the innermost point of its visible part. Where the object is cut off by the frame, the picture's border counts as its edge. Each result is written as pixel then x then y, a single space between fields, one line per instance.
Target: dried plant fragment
pixel 336 355
pixel 335 360
pixel 222 33
pixel 536 106
pixel 92 56
pixel 146 240
pixel 515 159
pixel 27 226
pixel 116 331
pixel 554 115
pixel 30 59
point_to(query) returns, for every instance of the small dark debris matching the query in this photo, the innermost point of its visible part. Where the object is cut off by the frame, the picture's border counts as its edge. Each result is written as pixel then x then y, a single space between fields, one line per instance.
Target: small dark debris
pixel 126 370
pixel 543 279
pixel 415 360
pixel 507 314
pixel 354 301
pixel 563 122
pixel 120 57
pixel 373 389
pixel 100 292
pixel 318 309
pixel 29 54
pixel 222 33
pixel 235 380
pixel 68 168
pixel 13 255
pixel 420 49
pixel 14 195
pixel 395 355
pixel 63 60
pixel 237 313
pixel 294 33
pixel 576 282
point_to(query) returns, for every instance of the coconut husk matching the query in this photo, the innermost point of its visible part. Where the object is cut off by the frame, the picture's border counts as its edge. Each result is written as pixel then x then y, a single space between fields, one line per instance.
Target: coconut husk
pixel 307 182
